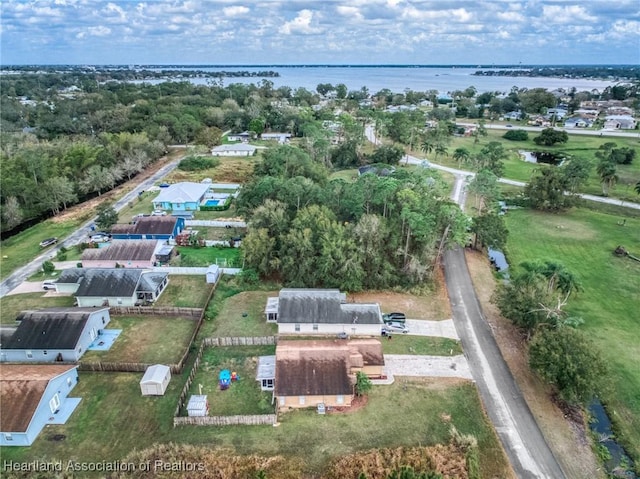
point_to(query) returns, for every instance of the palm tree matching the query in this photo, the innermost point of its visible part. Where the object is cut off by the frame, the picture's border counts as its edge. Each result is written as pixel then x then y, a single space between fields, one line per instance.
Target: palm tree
pixel 608 175
pixel 440 149
pixel 461 155
pixel 428 145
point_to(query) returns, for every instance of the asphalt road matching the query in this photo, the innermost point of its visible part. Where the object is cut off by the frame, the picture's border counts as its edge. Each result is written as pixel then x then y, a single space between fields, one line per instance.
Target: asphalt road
pixel 80 234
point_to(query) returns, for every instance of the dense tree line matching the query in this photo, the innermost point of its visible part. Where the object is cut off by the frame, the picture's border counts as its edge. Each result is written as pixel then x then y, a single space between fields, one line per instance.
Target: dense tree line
pixel 374 232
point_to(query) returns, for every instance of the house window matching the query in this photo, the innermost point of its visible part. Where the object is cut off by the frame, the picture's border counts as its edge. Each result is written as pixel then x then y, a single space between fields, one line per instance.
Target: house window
pixel 267 383
pixel 297 328
pixel 8 437
pixel 283 400
pixel 103 320
pixel 340 399
pixel 301 400
pixel 119 300
pixel 44 352
pixel 315 326
pixel 54 403
pixel 29 354
pixel 69 382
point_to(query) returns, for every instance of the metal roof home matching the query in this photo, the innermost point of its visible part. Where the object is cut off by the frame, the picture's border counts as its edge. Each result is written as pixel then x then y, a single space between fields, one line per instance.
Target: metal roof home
pixel 148 225
pixel 125 250
pixel 242 149
pixel 185 192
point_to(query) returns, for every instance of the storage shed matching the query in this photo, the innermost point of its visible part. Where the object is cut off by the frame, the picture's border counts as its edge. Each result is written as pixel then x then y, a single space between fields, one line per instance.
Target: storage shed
pixel 155 380
pixel 198 406
pixel 213 271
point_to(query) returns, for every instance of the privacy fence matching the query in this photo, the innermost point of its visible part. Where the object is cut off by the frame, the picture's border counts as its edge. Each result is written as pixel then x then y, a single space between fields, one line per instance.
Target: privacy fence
pixel 190 313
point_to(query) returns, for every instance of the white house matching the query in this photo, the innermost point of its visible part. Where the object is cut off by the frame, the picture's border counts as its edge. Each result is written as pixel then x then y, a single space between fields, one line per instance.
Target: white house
pixel 242 149
pixel 155 380
pixel 281 138
pixel 619 122
pixel 322 311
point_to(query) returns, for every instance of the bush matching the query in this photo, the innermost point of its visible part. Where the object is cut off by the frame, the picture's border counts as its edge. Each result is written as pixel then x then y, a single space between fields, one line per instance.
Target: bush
pixel 61 255
pixel 516 135
pixel 48 267
pixel 197 163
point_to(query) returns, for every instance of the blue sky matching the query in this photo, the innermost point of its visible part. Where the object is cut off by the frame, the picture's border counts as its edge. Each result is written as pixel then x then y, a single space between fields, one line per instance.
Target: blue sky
pixel 320 31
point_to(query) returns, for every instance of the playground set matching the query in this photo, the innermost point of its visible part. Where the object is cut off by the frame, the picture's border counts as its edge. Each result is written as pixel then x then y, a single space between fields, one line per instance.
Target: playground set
pixel 226 377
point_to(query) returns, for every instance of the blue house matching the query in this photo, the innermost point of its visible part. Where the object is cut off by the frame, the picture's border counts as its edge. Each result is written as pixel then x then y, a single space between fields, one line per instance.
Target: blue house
pixel 32 396
pixel 149 227
pixel 181 197
pixel 54 334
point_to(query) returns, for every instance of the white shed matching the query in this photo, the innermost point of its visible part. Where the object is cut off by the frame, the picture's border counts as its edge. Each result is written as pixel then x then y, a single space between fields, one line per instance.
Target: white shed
pixel 213 271
pixel 155 380
pixel 198 405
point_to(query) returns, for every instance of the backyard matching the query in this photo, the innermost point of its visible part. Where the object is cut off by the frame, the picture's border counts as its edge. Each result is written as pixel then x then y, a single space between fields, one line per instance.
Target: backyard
pixel 583 241
pixel 243 397
pixel 146 339
pixel 185 291
pixel 206 255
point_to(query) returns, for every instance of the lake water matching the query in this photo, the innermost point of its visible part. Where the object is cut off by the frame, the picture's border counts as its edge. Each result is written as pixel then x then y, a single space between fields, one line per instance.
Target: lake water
pixel 396 79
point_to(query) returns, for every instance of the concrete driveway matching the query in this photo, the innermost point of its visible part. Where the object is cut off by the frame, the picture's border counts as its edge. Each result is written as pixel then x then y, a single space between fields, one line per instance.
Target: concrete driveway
pixel 27 287
pixel 441 329
pixel 427 366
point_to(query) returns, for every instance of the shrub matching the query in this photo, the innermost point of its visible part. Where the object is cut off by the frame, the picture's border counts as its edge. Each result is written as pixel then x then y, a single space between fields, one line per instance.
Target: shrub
pixel 516 135
pixel 48 267
pixel 61 255
pixel 197 163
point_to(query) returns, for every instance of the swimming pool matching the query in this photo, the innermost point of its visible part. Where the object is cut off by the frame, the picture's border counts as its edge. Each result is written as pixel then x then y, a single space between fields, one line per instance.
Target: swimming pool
pixel 213 202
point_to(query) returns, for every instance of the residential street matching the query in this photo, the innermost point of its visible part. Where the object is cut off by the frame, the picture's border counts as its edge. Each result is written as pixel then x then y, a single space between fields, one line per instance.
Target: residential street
pixel 24 272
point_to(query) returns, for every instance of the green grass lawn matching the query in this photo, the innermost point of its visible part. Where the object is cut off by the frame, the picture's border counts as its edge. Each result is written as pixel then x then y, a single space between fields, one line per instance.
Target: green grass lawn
pixel 583 240
pixel 216 215
pixel 185 292
pixel 141 205
pixel 11 305
pixel 421 345
pixel 224 315
pixel 220 234
pixel 113 419
pixel 244 396
pixel 145 339
pixel 23 247
pixel 204 256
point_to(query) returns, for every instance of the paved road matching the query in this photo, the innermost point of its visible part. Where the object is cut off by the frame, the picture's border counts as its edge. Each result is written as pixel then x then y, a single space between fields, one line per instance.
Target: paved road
pixel 80 234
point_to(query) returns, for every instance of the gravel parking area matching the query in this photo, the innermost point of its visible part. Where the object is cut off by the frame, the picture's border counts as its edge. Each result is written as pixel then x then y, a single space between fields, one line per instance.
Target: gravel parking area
pixel 427 366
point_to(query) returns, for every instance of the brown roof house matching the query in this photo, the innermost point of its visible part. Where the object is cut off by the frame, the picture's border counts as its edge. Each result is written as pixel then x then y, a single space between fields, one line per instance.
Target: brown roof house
pixel 309 373
pixel 32 396
pixel 124 253
pixel 322 311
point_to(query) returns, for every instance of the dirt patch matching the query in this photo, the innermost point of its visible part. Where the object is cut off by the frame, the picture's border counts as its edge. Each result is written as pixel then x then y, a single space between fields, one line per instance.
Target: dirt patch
pixel 433 306
pixel 357 403
pixel 565 433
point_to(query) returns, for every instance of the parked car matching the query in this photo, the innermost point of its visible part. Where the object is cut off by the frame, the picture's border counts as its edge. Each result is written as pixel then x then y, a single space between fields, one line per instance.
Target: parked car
pixel 394 317
pixel 48 242
pixel 159 213
pixel 509 125
pixel 47 285
pixel 100 238
pixel 390 328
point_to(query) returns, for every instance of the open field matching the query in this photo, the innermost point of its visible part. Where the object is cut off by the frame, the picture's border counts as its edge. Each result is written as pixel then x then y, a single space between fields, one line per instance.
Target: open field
pixel 11 305
pixel 95 430
pixel 583 240
pixel 185 292
pixel 230 170
pixel 244 396
pixel 146 339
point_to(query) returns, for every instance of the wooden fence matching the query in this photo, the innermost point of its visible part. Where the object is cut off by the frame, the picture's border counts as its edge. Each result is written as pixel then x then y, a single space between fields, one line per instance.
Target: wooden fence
pixel 254 420
pixel 189 313
pixel 187 385
pixel 241 341
pixel 123 367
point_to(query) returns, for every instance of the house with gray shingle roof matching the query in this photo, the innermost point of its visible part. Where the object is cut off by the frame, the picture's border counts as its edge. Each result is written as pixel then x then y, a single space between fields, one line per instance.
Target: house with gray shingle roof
pixel 322 311
pixel 242 149
pixel 184 196
pixel 32 397
pixel 124 253
pixel 54 334
pixel 112 286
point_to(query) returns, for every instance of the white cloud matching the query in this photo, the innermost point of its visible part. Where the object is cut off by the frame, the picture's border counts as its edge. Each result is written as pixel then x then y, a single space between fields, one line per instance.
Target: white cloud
pixel 566 14
pixel 301 24
pixel 235 11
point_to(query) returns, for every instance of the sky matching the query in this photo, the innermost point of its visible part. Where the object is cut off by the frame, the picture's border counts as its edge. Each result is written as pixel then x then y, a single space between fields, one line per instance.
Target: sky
pixel 263 32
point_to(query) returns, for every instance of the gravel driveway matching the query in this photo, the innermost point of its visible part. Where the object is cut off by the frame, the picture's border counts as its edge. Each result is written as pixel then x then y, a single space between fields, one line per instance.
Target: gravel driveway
pixel 427 366
pixel 442 329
